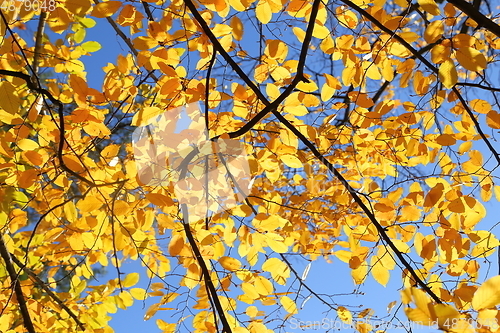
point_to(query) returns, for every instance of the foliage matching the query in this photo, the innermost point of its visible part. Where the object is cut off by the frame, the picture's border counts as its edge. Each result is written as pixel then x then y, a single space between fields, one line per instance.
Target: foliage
pixel 370 128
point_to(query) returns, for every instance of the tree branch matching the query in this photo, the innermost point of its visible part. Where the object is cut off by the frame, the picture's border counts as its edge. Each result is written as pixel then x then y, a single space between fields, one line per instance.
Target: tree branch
pixel 62 137
pixel 39 41
pixel 42 285
pixel 270 107
pixel 429 65
pixel 474 13
pixel 204 269
pixel 14 278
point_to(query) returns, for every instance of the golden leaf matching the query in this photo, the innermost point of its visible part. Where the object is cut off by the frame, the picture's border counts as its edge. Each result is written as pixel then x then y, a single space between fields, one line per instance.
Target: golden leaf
pixel 448 73
pixel 288 304
pixel 176 245
pixel 471 59
pixel 231 264
pixel 9 99
pixel 130 280
pixel 429 6
pixel 106 9
pixel 434 31
pixel 291 161
pixel 487 295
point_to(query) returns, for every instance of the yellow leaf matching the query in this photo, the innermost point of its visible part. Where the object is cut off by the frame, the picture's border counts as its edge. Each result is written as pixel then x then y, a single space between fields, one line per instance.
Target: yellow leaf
pixel 361 99
pixel 288 304
pixel 249 290
pixel 276 49
pixel 89 239
pixel 480 106
pixel 463 40
pixel 359 274
pixel 446 316
pixel 310 86
pixel 429 6
pixel 440 53
pixel 278 269
pixel 237 5
pixel 327 92
pixel 320 31
pixel 130 280
pixel 487 295
pixel 89 204
pixel 166 327
pixel 231 264
pixel 263 286
pixel 27 144
pixel 121 207
pixel 344 315
pixel 299 33
pixel 151 311
pixel 434 31
pixel 457 206
pixel 493 119
pixel 291 161
pixel 380 274
pixel 75 242
pixel 276 242
pixel 471 59
pixel 261 73
pixel 448 73
pixel 138 293
pixel 221 30
pixel 106 9
pixel 142 117
pixel 144 43
pixel 9 100
pixel 272 91
pixel 263 12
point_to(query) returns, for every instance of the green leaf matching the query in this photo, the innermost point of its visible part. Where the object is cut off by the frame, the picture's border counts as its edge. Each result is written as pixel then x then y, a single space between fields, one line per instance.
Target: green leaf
pixel 91 46
pixel 79 36
pixel 87 22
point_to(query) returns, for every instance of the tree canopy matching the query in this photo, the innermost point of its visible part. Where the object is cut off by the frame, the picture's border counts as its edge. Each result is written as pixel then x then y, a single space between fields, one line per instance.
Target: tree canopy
pixel 225 141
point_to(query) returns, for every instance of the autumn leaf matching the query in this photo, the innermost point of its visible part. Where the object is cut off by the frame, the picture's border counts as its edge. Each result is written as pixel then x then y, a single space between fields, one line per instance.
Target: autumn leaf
pixel 487 295
pixel 106 9
pixel 471 59
pixel 448 73
pixel 231 264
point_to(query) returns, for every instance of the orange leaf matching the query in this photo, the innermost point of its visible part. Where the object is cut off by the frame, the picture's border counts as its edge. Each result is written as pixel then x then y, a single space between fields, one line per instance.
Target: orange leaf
pixel 106 9
pixel 446 140
pixel 493 119
pixel 176 245
pixel 231 264
pixel 434 195
pixel 159 199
